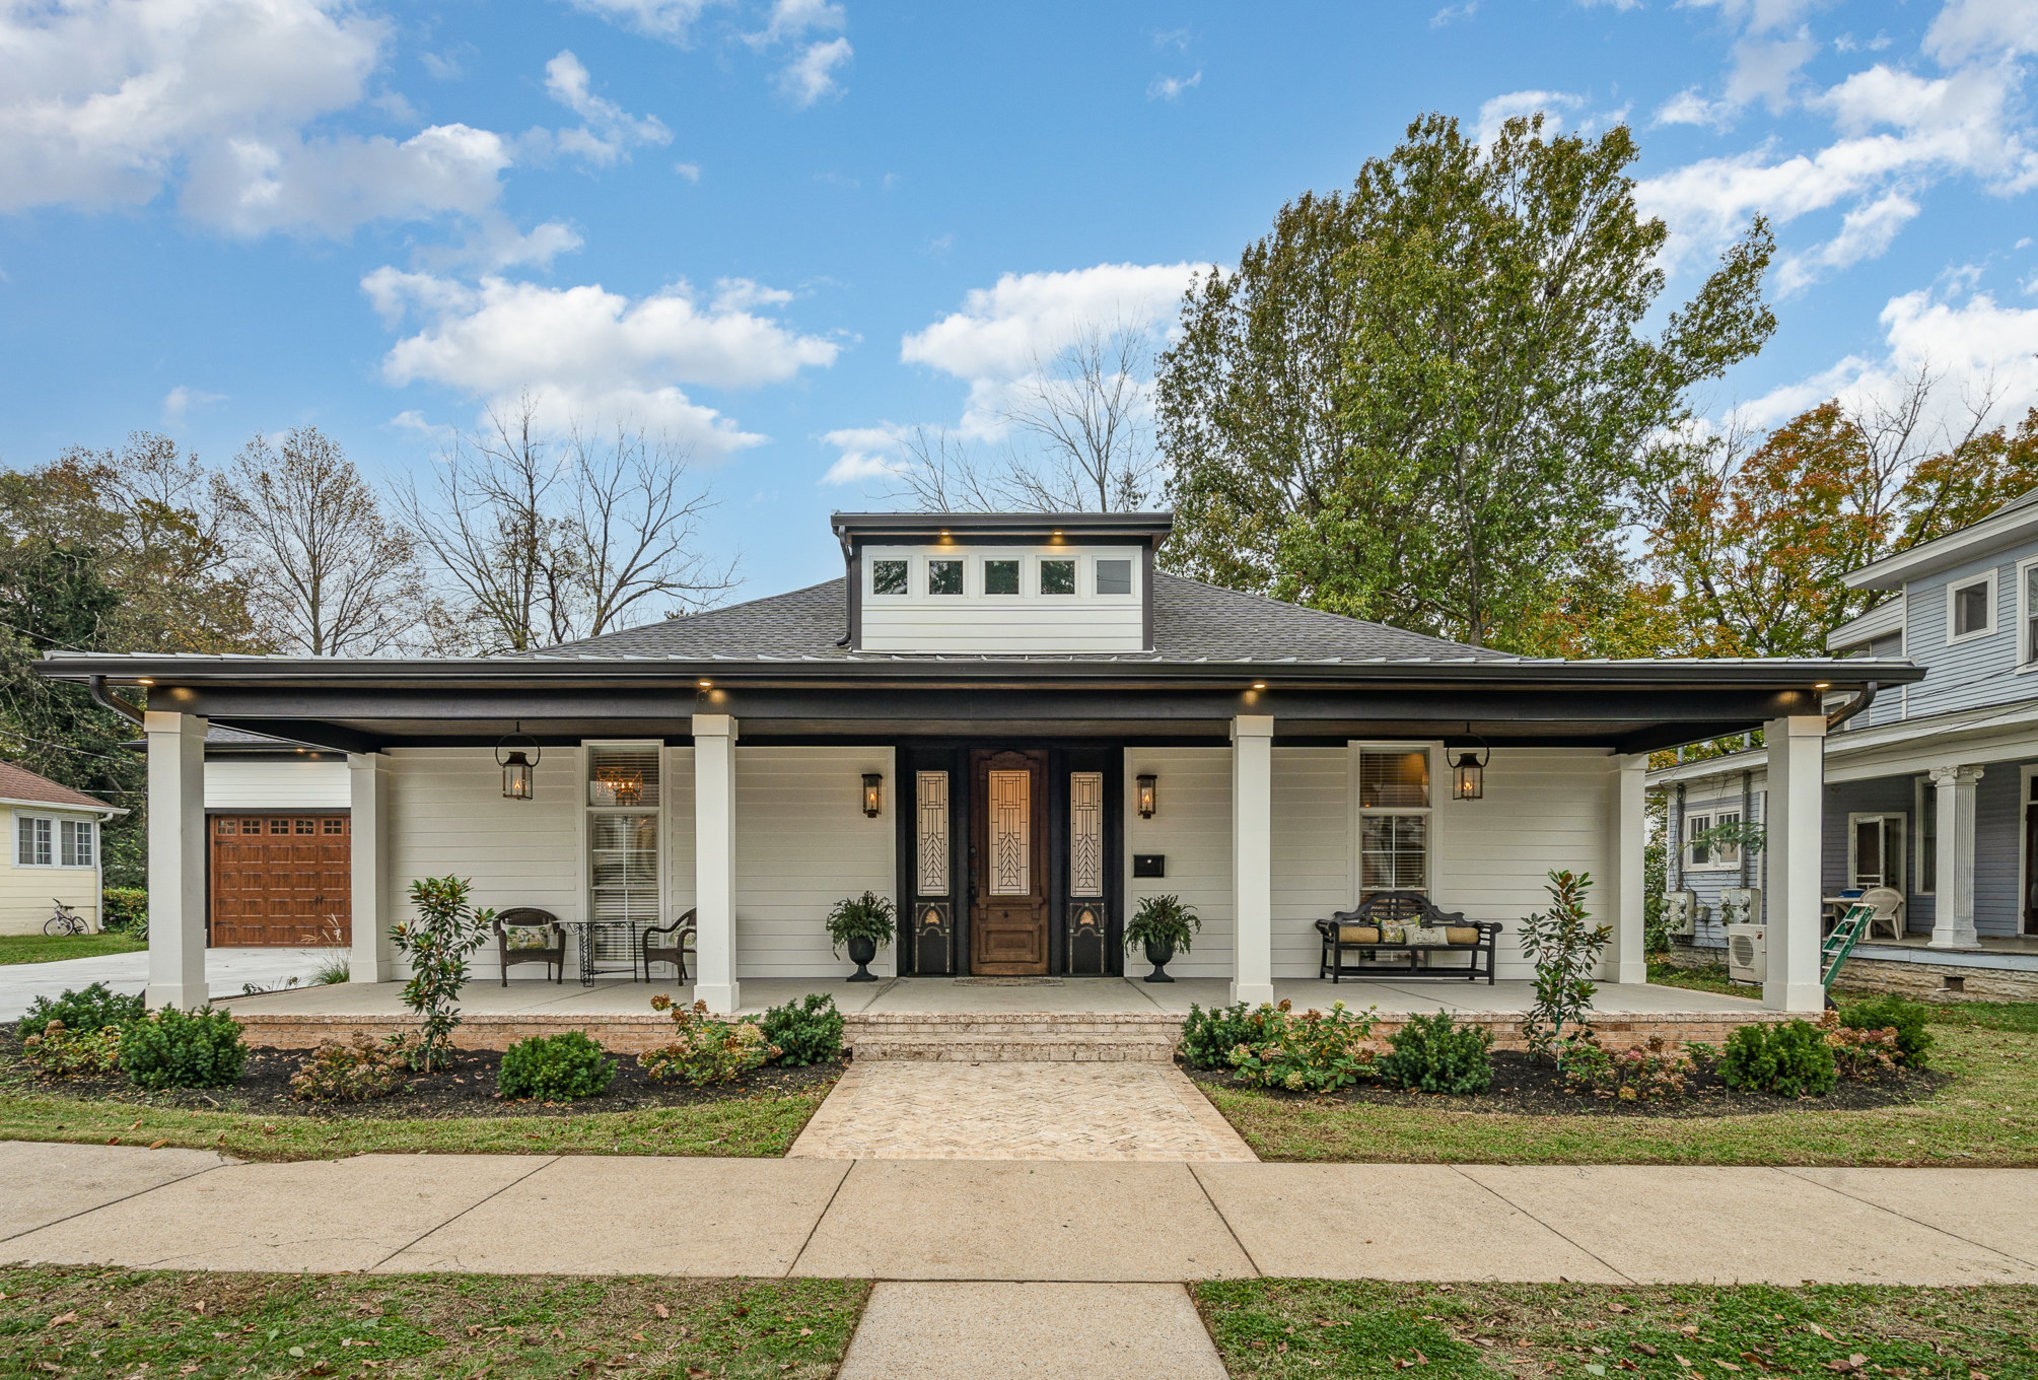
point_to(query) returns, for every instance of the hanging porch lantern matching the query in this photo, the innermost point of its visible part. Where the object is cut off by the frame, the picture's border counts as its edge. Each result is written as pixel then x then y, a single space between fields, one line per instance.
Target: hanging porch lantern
pixel 516 763
pixel 1468 770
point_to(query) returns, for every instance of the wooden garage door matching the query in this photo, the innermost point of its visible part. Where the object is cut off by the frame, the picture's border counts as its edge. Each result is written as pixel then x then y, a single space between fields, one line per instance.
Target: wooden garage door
pixel 281 879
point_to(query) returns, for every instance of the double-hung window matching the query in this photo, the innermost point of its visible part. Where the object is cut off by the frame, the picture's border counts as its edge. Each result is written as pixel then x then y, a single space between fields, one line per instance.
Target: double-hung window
pixel 34 844
pixel 1971 607
pixel 623 869
pixel 1703 852
pixel 1394 820
pixel 75 842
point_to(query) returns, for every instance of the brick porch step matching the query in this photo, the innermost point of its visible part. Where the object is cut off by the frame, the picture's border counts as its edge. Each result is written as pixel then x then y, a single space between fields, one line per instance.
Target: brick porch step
pixel 1014 1038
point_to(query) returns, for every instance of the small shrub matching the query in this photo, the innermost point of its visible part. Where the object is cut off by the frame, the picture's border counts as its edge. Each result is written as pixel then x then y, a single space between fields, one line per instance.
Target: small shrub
pixel 1209 1037
pixel 57 1052
pixel 437 943
pixel 1317 1051
pixel 1859 1054
pixel 707 1050
pixel 125 909
pixel 555 1068
pixel 183 1049
pixel 1900 1014
pixel 84 1009
pixel 1791 1059
pixel 354 1072
pixel 1434 1054
pixel 1565 946
pixel 805 1032
pixel 1648 1072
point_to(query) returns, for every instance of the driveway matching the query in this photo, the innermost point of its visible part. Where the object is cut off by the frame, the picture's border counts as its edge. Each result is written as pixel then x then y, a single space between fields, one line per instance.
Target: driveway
pixel 226 972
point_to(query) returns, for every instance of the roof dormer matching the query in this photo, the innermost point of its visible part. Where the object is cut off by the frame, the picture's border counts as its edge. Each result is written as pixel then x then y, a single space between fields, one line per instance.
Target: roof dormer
pixel 1001 583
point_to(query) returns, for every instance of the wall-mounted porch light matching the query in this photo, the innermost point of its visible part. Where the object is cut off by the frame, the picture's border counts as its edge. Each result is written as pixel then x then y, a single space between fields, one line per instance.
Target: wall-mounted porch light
pixel 1468 770
pixel 873 794
pixel 516 764
pixel 1148 793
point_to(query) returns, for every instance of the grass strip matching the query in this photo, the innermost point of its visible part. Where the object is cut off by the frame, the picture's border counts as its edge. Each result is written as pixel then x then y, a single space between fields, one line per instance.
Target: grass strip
pixel 46 948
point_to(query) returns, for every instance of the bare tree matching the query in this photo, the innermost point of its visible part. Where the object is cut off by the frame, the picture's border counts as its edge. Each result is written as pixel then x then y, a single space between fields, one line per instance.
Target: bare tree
pixel 1083 438
pixel 326 572
pixel 547 543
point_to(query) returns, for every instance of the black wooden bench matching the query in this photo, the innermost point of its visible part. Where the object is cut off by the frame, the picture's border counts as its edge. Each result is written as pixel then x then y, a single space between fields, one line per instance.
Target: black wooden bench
pixel 1393 934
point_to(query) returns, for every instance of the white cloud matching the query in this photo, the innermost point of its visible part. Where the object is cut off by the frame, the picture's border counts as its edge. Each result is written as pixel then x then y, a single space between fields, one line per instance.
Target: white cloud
pixel 1002 331
pixel 811 75
pixel 1765 69
pixel 1500 109
pixel 793 20
pixel 609 130
pixel 672 20
pixel 867 453
pixel 1982 29
pixel 1171 88
pixel 585 353
pixel 1866 232
pixel 690 171
pixel 251 185
pixel 1688 107
pixel 179 401
pixel 1451 14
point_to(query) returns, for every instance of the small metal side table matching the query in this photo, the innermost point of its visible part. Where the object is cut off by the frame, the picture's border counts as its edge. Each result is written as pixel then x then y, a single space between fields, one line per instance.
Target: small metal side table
pixel 598 943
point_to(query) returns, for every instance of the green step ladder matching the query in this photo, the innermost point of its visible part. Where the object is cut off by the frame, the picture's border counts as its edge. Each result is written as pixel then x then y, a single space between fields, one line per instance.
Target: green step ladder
pixel 1835 947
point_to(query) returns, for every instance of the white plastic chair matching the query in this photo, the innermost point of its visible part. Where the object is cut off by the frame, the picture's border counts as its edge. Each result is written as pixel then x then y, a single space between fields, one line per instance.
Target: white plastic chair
pixel 1888 903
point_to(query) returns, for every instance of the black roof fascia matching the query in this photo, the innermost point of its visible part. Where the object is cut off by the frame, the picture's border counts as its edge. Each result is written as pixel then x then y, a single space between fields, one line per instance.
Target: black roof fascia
pixel 857 529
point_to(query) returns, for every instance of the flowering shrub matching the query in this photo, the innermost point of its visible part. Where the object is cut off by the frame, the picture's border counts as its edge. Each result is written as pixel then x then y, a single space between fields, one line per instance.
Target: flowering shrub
pixel 1317 1051
pixel 1860 1054
pixel 59 1052
pixel 1648 1072
pixel 1900 1015
pixel 706 1049
pixel 355 1071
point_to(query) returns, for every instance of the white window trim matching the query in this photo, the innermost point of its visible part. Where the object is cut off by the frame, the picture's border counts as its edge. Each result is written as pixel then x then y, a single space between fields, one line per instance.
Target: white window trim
pixel 1903 823
pixel 1925 796
pixel 870 590
pixel 1356 875
pixel 2027 656
pixel 56 824
pixel 1710 811
pixel 583 768
pixel 1954 587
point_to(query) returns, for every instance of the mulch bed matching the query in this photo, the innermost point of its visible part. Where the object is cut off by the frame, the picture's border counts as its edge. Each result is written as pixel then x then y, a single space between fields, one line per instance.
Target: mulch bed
pixel 467 1089
pixel 1526 1085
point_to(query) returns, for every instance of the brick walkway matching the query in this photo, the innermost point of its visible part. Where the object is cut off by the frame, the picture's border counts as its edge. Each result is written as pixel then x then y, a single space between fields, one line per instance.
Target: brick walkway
pixel 915 1110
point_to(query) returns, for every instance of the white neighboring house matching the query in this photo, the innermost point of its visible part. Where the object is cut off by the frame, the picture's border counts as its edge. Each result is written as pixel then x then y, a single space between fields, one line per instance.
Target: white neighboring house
pixel 1014 727
pixel 52 850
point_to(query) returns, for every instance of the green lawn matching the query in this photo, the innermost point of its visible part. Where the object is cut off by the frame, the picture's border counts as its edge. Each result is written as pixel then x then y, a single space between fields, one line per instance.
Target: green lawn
pixel 98 1322
pixel 1988 1115
pixel 43 948
pixel 1277 1329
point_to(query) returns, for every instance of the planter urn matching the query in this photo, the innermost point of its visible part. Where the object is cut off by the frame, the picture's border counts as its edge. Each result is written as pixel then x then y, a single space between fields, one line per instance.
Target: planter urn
pixel 861 952
pixel 1159 952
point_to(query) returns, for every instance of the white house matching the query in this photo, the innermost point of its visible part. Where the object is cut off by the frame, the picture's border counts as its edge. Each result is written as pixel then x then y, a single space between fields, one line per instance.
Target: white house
pixel 52 850
pixel 1016 727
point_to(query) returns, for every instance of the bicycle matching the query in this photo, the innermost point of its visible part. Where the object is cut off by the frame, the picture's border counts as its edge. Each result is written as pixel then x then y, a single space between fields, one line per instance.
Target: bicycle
pixel 63 920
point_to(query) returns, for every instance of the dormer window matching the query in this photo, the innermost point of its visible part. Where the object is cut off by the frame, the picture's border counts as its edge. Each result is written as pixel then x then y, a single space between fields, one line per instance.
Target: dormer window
pixel 1114 576
pixel 1057 577
pixel 944 577
pixel 887 577
pixel 1001 577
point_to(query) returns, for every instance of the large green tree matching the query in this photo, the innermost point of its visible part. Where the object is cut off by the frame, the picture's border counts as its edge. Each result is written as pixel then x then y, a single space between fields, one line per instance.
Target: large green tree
pixel 1431 399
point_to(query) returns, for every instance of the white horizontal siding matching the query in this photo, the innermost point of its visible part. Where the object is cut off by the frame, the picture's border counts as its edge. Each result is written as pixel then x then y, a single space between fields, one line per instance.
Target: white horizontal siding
pixel 276 783
pixel 1544 810
pixel 679 831
pixel 1192 828
pixel 1313 851
pixel 26 893
pixel 802 844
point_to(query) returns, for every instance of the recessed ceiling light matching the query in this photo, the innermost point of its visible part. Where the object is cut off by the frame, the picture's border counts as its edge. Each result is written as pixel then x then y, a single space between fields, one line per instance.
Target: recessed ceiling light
pixel 705 684
pixel 145 680
pixel 1259 685
pixel 1822 685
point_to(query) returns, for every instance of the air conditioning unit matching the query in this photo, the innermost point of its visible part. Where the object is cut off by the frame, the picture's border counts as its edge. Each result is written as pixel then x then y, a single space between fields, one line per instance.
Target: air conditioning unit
pixel 1681 913
pixel 1741 905
pixel 1748 953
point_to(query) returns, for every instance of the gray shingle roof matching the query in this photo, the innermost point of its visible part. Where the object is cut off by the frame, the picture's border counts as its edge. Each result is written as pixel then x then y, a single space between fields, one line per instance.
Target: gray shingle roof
pixel 1192 622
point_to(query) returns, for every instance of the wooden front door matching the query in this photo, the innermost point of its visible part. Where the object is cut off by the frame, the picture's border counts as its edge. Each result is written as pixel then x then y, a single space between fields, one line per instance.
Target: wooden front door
pixel 282 880
pixel 1008 864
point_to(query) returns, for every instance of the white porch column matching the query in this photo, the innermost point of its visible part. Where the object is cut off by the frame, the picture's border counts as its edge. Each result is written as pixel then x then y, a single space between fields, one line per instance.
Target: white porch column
pixel 1797 769
pixel 368 798
pixel 1627 821
pixel 714 787
pixel 176 858
pixel 1953 867
pixel 1252 858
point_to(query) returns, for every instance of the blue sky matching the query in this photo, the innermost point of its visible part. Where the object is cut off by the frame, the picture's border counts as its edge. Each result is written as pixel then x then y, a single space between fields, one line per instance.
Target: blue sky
pixel 779 232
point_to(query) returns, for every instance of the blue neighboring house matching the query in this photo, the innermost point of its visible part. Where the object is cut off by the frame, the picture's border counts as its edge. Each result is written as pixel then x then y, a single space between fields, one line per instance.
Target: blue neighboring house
pixel 1929 790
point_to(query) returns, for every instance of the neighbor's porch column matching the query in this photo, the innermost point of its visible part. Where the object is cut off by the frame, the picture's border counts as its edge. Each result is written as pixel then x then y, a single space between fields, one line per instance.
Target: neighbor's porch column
pixel 1252 858
pixel 1628 825
pixel 1953 868
pixel 176 858
pixel 1797 768
pixel 714 788
pixel 368 826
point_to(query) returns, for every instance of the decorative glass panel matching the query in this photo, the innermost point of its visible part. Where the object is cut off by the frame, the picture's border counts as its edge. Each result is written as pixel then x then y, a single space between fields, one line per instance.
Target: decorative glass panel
pixel 624 776
pixel 1001 577
pixel 931 790
pixel 1011 825
pixel 1394 779
pixel 887 577
pixel 1114 576
pixel 944 577
pixel 1086 833
pixel 1057 577
pixel 1394 853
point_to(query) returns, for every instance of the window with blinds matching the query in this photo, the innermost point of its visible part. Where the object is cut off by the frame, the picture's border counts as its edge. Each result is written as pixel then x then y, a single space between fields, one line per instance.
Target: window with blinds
pixel 1394 823
pixel 623 865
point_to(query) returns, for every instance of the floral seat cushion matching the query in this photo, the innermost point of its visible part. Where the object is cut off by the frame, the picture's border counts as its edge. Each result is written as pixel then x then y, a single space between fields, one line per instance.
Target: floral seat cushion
pixel 530 937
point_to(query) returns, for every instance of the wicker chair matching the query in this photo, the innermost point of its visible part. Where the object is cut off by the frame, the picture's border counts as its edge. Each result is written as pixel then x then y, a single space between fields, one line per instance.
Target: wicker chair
pixel 669 944
pixel 525 934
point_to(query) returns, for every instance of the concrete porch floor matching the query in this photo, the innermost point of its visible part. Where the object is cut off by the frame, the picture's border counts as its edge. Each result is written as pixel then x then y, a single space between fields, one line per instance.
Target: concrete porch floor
pixel 987 997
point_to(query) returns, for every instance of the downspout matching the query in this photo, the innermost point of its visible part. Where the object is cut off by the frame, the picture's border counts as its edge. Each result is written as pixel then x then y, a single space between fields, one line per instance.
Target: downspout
pixel 1747 817
pixel 107 699
pixel 1852 707
pixel 1673 842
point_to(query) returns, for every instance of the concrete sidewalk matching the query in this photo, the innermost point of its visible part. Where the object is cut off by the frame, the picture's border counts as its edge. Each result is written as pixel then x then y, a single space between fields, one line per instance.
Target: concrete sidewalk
pixel 1037 1221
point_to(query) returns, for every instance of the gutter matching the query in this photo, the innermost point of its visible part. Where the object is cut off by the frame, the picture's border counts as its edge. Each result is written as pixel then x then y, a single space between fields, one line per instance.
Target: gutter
pixel 108 700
